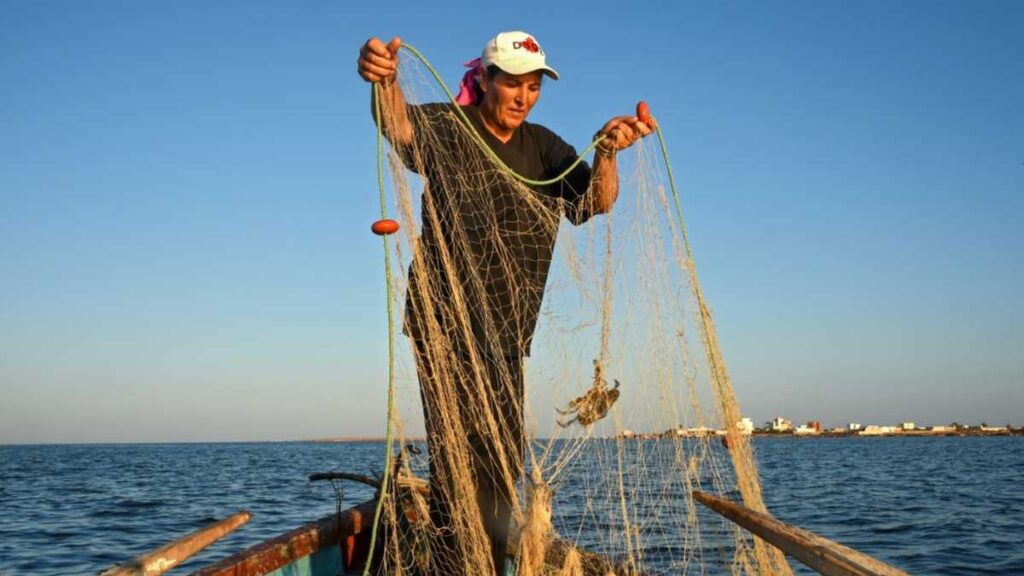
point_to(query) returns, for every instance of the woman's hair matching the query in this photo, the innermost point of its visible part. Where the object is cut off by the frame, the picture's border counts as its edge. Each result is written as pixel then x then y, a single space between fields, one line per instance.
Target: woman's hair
pixel 492 73
pixel 493 70
pixel 478 93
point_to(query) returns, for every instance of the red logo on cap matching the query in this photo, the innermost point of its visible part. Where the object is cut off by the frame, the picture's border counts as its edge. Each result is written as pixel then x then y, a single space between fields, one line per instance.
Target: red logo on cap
pixel 529 44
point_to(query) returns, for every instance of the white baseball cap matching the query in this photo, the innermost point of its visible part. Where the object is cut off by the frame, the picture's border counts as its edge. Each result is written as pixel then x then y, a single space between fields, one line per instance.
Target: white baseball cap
pixel 516 53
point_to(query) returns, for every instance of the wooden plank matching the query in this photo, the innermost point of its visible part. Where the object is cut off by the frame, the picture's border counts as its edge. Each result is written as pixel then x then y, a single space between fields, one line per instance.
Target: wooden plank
pixel 303 541
pixel 166 557
pixel 820 554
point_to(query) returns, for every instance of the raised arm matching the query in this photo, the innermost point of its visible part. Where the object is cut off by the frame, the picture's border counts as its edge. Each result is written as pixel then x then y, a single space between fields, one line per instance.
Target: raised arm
pixel 620 133
pixel 378 64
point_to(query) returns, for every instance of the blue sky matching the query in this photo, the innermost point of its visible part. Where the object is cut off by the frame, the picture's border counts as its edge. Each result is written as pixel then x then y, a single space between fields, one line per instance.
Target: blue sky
pixel 186 190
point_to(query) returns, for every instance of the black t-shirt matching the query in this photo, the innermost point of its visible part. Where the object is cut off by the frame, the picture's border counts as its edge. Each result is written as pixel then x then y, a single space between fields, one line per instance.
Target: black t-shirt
pixel 497 237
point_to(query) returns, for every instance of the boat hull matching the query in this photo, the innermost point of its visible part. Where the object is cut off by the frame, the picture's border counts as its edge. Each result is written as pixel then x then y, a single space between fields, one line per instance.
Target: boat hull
pixel 336 544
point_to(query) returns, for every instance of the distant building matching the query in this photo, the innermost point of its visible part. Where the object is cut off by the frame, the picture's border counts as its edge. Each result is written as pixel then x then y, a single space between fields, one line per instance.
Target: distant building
pixel 854 426
pixel 816 424
pixel 873 430
pixel 993 428
pixel 780 424
pixel 907 426
pixel 942 429
pixel 698 431
pixel 746 426
pixel 807 430
pixel 627 433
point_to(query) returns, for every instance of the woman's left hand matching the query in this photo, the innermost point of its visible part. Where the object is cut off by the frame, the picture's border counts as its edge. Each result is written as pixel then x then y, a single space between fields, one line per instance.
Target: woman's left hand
pixel 620 133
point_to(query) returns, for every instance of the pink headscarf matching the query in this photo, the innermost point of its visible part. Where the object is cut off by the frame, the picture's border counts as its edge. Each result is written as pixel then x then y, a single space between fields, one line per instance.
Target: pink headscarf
pixel 469 90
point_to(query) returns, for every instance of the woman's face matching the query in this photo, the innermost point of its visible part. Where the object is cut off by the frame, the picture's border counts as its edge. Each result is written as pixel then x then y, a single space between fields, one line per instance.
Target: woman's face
pixel 508 98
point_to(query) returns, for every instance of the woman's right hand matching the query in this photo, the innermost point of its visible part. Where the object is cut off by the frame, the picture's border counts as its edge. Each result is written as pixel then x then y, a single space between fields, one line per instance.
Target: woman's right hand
pixel 378 62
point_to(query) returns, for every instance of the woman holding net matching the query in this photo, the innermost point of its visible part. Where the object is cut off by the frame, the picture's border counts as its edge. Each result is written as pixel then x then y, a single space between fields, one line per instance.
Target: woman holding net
pixel 478 273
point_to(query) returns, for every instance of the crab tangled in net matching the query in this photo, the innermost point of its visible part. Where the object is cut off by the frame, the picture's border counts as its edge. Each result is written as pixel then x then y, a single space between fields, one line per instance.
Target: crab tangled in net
pixel 594 404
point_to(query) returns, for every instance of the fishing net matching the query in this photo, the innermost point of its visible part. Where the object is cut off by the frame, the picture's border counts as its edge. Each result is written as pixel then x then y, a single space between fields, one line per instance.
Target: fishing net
pixel 622 389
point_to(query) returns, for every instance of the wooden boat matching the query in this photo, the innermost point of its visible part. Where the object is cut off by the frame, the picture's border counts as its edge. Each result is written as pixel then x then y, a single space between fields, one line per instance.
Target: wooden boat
pixel 336 544
pixel 339 544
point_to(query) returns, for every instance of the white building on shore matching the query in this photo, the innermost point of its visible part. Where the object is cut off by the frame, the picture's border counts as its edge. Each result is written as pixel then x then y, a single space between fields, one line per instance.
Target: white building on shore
pixel 873 430
pixel 694 432
pixel 805 430
pixel 746 426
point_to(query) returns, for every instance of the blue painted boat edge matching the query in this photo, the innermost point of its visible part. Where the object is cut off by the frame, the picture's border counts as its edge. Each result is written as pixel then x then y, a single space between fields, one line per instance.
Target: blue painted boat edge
pixel 324 562
pixel 312 549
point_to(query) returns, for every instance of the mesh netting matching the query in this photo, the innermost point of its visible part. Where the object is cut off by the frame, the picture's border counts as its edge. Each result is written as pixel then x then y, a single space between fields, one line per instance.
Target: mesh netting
pixel 593 419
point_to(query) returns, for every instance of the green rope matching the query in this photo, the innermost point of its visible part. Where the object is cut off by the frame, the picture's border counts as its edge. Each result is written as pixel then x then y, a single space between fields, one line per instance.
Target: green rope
pixel 391 336
pixel 675 192
pixel 698 292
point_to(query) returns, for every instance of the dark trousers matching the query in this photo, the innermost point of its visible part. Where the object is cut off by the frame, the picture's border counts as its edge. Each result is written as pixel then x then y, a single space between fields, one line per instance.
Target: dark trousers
pixel 503 400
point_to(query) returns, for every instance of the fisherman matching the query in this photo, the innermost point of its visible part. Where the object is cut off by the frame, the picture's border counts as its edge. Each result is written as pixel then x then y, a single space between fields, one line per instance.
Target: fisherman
pixel 497 94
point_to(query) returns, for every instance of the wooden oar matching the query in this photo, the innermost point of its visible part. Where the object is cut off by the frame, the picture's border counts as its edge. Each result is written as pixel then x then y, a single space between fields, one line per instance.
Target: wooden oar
pixel 166 557
pixel 820 554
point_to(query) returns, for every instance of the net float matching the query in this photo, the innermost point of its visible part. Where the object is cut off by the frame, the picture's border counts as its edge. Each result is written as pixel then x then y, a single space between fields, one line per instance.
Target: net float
pixel 384 227
pixel 643 113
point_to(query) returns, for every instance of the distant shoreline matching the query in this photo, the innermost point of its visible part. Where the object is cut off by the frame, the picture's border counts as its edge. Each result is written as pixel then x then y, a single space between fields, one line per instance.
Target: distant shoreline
pixel 379 439
pixel 353 440
pixel 909 433
pixel 895 434
pixel 914 433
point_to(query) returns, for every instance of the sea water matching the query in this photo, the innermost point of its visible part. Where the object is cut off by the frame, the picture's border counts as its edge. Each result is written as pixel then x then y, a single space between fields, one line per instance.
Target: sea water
pixel 932 505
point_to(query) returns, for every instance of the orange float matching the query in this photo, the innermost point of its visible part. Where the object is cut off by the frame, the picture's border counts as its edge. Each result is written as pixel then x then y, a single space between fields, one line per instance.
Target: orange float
pixel 384 227
pixel 643 113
